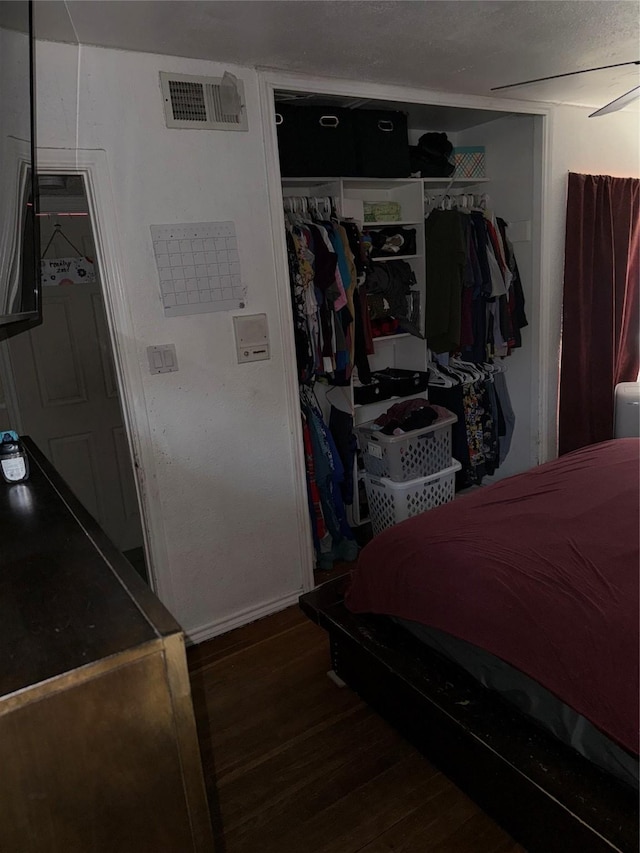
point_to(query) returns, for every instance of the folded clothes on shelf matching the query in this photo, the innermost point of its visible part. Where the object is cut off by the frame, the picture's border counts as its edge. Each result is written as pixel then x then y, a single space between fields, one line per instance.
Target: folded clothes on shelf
pixel 409 415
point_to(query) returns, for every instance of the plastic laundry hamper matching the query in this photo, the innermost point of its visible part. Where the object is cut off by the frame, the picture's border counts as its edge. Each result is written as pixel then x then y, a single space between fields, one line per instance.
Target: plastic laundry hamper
pixel 391 503
pixel 417 453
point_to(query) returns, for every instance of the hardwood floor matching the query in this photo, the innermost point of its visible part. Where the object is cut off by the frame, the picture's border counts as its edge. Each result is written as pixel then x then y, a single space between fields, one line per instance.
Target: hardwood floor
pixel 339 568
pixel 296 764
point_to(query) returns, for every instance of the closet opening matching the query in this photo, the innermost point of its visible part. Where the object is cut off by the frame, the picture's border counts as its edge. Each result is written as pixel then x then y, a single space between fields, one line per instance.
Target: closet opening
pixel 413 243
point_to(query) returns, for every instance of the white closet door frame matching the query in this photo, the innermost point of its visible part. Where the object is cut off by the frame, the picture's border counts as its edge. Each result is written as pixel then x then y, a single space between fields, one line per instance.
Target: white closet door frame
pixel 545 348
pixel 92 166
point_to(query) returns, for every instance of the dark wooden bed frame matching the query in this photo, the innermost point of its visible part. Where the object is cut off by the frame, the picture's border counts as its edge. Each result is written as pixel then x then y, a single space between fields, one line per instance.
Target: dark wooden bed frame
pixel 544 794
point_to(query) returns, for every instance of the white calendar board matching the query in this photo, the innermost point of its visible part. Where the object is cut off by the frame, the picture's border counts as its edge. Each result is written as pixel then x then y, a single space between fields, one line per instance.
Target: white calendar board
pixel 198 267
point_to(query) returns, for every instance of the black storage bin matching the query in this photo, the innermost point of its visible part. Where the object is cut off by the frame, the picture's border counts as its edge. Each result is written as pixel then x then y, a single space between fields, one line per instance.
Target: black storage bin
pixel 391 382
pixel 390 241
pixel 382 143
pixel 316 141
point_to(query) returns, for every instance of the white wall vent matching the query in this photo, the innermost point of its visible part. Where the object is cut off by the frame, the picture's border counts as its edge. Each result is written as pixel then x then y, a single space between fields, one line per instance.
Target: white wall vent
pixel 209 103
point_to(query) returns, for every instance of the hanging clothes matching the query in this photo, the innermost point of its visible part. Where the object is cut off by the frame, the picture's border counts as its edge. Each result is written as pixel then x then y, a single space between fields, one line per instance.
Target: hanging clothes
pixel 326 272
pixel 326 488
pixel 318 526
pixel 477 438
pixel 474 291
pixel 446 262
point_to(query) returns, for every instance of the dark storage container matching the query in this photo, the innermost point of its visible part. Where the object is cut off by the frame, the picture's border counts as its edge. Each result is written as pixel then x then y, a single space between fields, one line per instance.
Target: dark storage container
pixel 316 141
pixel 391 241
pixel 391 382
pixel 382 143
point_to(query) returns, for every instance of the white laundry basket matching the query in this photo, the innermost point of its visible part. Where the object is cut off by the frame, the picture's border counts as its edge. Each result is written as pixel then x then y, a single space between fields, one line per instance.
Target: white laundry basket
pixel 417 453
pixel 391 502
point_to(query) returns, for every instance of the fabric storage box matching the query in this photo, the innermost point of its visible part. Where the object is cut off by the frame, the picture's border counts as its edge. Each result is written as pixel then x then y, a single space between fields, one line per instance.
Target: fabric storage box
pixel 382 143
pixel 416 453
pixel 316 141
pixel 390 503
pixel 391 382
pixel 469 162
pixel 382 211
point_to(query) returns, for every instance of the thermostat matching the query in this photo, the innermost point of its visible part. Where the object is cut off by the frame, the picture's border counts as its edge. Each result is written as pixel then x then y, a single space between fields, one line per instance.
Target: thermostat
pixel 252 337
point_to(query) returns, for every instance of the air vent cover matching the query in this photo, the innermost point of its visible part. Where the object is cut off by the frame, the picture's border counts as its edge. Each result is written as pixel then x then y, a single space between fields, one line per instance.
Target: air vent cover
pixel 211 103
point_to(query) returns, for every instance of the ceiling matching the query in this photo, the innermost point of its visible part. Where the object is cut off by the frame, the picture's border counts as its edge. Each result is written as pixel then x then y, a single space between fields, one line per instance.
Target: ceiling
pixel 444 45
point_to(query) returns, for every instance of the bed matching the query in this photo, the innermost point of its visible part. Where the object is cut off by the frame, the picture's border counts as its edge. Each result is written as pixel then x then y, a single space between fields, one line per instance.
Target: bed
pixel 500 634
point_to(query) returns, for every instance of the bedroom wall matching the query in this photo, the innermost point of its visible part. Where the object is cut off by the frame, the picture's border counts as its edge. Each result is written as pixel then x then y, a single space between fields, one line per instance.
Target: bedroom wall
pixel 220 431
pixel 221 435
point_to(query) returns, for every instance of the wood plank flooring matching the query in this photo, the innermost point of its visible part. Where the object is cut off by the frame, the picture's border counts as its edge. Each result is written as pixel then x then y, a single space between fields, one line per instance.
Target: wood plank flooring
pixel 295 764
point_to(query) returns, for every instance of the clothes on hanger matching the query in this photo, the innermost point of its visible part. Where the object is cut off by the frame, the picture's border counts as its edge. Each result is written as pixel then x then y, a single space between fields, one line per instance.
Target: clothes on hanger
pixel 326 272
pixel 327 486
pixel 474 291
pixel 482 435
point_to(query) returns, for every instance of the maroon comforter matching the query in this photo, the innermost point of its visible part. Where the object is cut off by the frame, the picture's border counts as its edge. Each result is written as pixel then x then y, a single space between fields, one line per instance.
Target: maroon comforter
pixel 541 570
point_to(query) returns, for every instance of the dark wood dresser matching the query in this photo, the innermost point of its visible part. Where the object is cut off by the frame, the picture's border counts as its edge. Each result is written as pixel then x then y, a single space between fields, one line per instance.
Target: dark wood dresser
pixel 98 746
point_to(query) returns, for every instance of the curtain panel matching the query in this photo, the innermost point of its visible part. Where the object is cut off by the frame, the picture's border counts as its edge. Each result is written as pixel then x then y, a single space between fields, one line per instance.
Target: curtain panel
pixel 600 315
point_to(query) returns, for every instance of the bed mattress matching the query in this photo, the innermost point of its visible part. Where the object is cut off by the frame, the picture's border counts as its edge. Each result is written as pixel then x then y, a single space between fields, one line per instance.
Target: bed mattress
pixel 540 570
pixel 532 699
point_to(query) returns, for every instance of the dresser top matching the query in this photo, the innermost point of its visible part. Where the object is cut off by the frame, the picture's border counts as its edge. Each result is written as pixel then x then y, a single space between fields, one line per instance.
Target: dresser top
pixel 68 598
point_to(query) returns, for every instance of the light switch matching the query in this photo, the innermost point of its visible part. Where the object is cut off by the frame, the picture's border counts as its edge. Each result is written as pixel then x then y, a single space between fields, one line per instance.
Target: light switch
pixel 252 337
pixel 162 358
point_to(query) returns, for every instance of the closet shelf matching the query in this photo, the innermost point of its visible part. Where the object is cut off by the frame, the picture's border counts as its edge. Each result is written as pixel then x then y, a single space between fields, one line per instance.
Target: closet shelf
pixel 375 225
pixel 307 182
pixel 377 183
pixel 392 337
pixel 457 182
pixel 395 258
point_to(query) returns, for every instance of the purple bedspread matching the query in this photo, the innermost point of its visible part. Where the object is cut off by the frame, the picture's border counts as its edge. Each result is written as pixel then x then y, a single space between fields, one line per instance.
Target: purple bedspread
pixel 540 569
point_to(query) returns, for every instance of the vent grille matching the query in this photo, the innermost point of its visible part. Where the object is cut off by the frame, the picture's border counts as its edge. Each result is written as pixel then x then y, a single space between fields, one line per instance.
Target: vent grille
pixel 215 91
pixel 187 101
pixel 203 102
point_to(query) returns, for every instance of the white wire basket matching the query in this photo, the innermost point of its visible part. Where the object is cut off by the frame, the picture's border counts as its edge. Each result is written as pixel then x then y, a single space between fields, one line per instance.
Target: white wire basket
pixel 391 502
pixel 417 453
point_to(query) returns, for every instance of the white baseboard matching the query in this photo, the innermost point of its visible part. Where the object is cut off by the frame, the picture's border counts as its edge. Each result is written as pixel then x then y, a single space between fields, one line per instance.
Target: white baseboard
pixel 242 617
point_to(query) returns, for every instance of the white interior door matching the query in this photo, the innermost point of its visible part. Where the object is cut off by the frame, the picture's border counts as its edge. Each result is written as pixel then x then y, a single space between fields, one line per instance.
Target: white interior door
pixel 65 385
pixel 68 402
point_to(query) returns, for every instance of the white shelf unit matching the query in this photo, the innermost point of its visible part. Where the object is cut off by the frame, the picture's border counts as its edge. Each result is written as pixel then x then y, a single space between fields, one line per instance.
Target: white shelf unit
pixel 437 183
pixel 403 350
pixel 409 194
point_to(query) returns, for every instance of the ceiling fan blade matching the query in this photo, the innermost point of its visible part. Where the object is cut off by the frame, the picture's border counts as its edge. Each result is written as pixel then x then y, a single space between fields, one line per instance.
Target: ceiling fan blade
pixel 568 74
pixel 618 103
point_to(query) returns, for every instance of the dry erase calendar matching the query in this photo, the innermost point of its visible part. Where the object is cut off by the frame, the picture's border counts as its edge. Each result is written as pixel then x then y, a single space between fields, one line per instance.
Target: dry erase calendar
pixel 198 267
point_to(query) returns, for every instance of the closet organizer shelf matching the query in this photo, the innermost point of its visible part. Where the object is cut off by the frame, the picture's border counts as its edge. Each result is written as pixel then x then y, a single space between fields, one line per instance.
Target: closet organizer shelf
pixel 396 258
pixel 375 183
pixel 455 182
pixel 392 337
pixel 401 350
pixel 387 224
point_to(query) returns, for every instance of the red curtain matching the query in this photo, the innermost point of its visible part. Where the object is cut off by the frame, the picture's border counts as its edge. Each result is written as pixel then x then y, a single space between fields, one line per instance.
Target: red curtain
pixel 600 315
